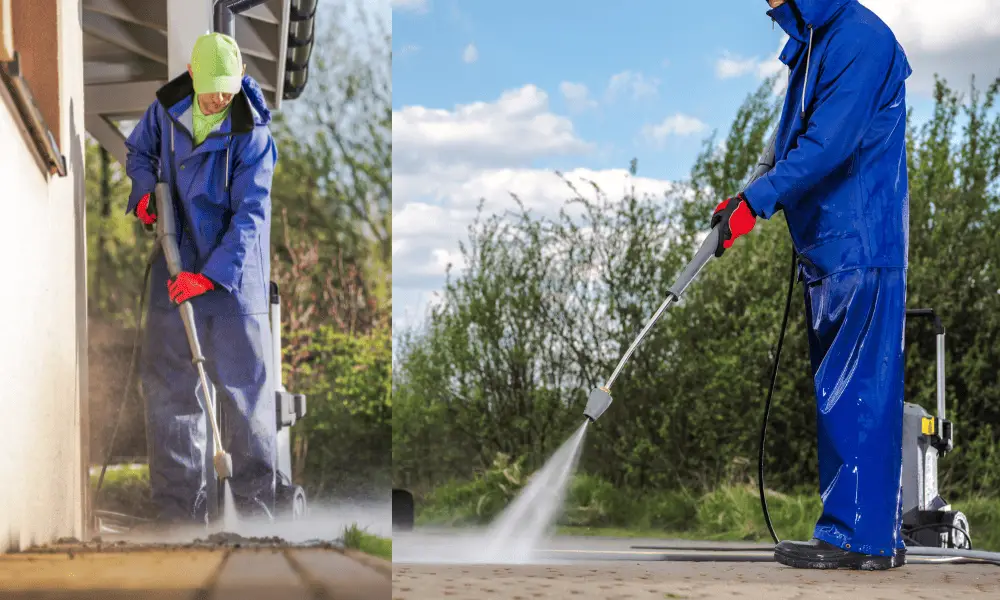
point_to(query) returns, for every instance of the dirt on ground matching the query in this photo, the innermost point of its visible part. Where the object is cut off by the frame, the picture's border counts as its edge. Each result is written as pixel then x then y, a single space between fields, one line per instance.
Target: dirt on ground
pixel 703 581
pixel 213 542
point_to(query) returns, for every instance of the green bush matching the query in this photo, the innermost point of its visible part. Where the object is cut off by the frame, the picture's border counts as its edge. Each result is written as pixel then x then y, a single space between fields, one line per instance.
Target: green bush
pixel 594 502
pixel 984 521
pixel 477 501
pixel 734 512
pixel 594 506
pixel 125 490
pixel 343 445
pixel 357 538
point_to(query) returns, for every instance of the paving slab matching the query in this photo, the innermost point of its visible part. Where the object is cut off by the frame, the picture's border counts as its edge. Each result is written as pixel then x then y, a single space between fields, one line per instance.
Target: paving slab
pixel 259 575
pixel 121 572
pixel 340 576
pixel 177 575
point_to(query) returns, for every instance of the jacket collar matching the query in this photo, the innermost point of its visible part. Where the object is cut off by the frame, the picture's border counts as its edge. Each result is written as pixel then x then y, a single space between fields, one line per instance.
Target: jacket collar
pixel 795 17
pixel 177 96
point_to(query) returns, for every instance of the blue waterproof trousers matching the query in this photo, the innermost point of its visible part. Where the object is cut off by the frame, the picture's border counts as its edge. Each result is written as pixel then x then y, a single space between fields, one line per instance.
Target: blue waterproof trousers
pixel 856 321
pixel 238 363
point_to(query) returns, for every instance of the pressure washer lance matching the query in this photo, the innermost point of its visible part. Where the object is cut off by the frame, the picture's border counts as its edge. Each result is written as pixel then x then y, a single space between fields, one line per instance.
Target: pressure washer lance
pixel 600 397
pixel 166 235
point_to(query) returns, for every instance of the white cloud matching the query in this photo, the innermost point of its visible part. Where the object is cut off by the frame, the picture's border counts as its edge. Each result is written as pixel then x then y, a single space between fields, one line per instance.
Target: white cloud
pixel 731 65
pixel 433 210
pixel 675 125
pixel 470 54
pixel 634 84
pixel 957 41
pixel 514 130
pixel 446 161
pixel 409 49
pixel 410 5
pixel 577 96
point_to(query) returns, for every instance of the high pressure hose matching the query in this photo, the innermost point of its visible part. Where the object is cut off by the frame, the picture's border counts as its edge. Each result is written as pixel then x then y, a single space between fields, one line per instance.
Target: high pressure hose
pixel 129 375
pixel 770 394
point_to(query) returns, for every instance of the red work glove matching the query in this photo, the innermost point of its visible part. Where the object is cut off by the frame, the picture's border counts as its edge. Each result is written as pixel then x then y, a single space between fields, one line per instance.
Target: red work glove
pixel 188 285
pixel 735 218
pixel 146 210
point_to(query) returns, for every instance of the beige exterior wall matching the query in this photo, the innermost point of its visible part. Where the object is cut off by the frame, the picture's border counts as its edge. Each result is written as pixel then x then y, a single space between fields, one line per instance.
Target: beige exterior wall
pixel 43 323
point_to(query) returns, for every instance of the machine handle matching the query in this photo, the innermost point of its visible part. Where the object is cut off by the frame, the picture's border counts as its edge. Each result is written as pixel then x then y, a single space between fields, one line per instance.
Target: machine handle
pixel 166 237
pixel 166 229
pixel 929 313
pixel 939 352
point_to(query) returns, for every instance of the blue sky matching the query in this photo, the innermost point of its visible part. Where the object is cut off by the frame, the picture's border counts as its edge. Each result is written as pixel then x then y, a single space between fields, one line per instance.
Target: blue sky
pixel 659 77
pixel 546 43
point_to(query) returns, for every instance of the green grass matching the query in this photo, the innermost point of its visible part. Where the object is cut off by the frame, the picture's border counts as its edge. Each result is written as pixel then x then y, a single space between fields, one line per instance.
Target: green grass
pixel 356 538
pixel 729 513
pixel 984 521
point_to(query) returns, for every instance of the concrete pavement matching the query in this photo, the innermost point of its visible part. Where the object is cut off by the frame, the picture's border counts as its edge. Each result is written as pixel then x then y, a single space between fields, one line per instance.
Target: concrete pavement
pixel 703 581
pixel 450 565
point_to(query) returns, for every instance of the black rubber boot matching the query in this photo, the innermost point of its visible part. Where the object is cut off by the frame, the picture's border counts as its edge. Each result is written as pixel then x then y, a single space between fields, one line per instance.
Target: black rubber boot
pixel 817 554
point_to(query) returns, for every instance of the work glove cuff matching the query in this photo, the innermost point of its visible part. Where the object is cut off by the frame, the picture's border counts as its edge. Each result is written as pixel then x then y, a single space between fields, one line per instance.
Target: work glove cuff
pixel 734 218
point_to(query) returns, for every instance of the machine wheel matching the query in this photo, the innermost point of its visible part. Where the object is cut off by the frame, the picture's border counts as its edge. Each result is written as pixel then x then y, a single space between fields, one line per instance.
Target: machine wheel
pixel 957 530
pixel 299 506
pixel 402 510
pixel 292 504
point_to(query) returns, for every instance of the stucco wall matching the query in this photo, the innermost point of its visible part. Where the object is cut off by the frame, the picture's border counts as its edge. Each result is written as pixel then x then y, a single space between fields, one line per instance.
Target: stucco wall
pixel 43 318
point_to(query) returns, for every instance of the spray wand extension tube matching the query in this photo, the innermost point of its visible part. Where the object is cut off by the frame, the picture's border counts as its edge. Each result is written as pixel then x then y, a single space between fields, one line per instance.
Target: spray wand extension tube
pixel 166 237
pixel 600 397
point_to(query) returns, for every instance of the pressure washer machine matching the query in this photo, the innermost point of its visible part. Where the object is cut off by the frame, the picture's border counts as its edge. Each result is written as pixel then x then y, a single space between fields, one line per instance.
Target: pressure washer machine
pixel 290 499
pixel 928 520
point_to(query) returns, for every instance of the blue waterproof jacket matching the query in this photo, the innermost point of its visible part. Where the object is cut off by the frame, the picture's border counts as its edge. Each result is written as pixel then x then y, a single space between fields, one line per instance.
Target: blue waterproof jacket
pixel 840 172
pixel 222 194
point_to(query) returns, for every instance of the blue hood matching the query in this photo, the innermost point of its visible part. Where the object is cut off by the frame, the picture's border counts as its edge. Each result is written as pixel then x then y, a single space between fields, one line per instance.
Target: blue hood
pixel 249 108
pixel 253 93
pixel 797 16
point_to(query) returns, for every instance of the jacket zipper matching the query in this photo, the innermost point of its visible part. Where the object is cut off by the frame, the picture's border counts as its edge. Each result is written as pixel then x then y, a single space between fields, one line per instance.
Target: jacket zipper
pixel 805 78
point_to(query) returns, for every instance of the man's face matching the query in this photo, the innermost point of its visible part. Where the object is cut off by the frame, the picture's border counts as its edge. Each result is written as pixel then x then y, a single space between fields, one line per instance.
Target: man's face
pixel 775 3
pixel 214 103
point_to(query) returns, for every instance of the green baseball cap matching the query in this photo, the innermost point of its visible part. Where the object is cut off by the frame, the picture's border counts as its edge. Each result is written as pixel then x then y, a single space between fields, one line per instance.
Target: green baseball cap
pixel 216 64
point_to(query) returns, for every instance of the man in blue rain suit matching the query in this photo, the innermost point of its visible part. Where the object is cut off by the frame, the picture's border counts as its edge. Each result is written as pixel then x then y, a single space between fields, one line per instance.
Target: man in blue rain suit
pixel 206 135
pixel 840 178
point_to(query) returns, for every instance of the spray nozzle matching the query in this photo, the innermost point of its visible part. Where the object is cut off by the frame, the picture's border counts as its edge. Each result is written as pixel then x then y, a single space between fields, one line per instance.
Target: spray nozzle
pixel 598 402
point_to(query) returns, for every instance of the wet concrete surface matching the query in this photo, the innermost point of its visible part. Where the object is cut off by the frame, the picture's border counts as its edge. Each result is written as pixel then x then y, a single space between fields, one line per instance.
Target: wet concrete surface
pixel 708 581
pixel 436 565
pixel 222 567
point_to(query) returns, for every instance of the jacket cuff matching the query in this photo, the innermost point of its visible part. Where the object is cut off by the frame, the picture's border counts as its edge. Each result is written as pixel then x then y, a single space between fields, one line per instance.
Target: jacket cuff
pixel 221 274
pixel 133 199
pixel 762 197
